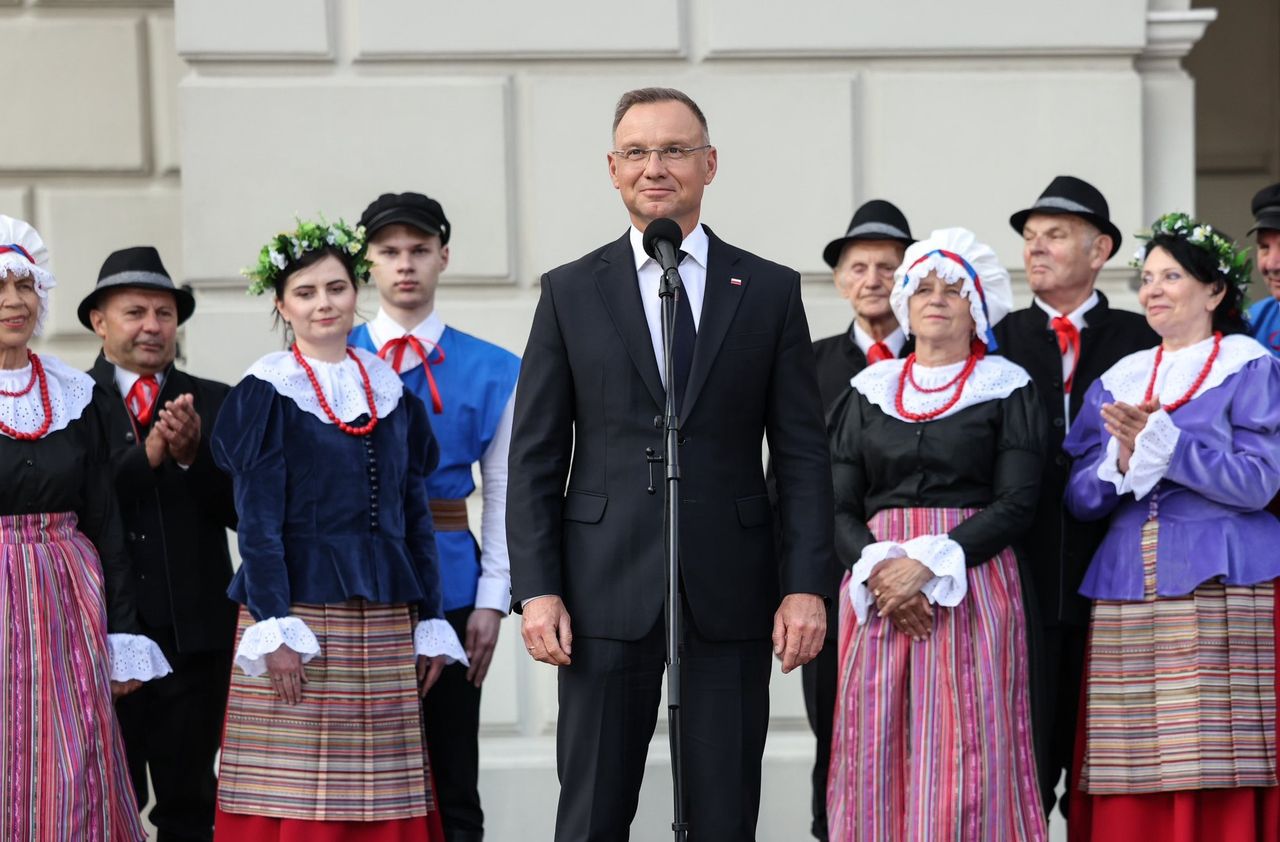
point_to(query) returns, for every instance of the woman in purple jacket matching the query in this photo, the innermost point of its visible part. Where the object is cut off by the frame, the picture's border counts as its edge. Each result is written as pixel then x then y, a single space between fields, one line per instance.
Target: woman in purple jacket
pixel 1180 446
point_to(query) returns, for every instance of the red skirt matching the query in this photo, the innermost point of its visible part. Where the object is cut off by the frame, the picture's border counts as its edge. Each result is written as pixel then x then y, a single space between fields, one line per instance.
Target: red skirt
pixel 267 829
pixel 1242 814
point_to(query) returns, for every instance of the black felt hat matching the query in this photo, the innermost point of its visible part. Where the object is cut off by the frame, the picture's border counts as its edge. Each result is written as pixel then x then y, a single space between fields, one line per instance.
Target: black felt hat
pixel 138 267
pixel 875 220
pixel 1266 209
pixel 1070 195
pixel 422 212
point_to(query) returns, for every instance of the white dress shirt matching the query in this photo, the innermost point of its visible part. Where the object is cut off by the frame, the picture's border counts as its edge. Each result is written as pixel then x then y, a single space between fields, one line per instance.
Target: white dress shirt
pixel 1069 358
pixel 693 275
pixel 494 588
pixel 896 340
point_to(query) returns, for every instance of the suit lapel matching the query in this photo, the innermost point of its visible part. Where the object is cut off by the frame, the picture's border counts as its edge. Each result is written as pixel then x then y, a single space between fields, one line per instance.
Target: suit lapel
pixel 620 289
pixel 719 303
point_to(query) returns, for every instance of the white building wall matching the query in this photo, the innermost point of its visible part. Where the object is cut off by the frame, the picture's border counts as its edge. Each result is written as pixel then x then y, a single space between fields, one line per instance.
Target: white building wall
pixel 205 128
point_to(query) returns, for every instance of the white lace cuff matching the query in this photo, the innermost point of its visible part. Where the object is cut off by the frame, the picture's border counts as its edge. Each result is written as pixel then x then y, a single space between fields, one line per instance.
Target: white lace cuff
pixel 1153 448
pixel 943 556
pixel 437 637
pixel 135 656
pixel 266 636
pixel 1109 468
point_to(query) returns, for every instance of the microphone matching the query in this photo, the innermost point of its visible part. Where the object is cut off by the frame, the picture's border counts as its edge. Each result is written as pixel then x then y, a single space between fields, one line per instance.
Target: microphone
pixel 662 238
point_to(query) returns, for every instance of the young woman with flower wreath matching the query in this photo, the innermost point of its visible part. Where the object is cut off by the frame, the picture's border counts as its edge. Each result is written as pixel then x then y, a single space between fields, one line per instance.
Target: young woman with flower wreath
pixel 341 628
pixel 1179 446
pixel 936 462
pixel 69 638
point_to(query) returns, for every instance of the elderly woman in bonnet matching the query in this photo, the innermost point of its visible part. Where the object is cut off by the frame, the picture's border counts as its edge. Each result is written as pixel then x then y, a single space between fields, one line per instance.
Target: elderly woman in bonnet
pixel 936 462
pixel 341 627
pixel 67 624
pixel 1179 446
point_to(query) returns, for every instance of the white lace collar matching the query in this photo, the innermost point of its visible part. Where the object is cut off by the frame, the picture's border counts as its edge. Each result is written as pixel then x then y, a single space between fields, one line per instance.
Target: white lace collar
pixel 341 382
pixel 993 378
pixel 383 328
pixel 1127 380
pixel 70 391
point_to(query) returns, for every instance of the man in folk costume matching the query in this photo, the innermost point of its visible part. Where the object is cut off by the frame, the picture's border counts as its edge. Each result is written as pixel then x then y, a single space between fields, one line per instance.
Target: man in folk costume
pixel 862 265
pixel 469 386
pixel 176 507
pixel 1264 316
pixel 1065 340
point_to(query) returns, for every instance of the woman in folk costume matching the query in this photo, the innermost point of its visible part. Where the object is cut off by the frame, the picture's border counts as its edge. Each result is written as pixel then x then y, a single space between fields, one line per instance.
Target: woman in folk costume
pixel 936 462
pixel 1180 446
pixel 341 629
pixel 66 599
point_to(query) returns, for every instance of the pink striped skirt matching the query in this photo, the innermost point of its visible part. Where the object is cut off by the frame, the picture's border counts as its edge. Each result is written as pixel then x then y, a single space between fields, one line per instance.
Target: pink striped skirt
pixel 63 767
pixel 932 741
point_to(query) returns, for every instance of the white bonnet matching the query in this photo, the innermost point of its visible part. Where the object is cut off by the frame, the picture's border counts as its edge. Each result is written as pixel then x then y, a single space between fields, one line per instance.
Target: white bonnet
pixel 956 256
pixel 23 252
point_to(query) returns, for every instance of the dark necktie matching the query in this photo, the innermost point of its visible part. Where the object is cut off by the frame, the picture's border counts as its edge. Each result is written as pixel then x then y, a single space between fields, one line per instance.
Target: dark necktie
pixel 682 340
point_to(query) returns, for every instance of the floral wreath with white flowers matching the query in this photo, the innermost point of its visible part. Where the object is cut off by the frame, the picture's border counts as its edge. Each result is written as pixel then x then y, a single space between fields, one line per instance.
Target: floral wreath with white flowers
pixel 1233 262
pixel 309 236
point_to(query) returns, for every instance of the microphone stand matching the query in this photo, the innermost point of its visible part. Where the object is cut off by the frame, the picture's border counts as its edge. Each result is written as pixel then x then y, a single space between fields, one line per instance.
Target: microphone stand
pixel 668 288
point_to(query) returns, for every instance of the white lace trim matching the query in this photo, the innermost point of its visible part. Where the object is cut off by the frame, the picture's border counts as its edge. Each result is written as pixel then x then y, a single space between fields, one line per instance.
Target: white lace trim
pixel 70 391
pixel 1127 380
pixel 341 382
pixel 943 556
pixel 993 378
pixel 1153 448
pixel 1109 468
pixel 134 656
pixel 437 637
pixel 266 636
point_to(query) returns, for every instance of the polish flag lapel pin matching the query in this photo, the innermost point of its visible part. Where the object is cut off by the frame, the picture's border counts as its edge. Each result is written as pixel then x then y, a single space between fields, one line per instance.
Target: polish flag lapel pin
pixel 735 282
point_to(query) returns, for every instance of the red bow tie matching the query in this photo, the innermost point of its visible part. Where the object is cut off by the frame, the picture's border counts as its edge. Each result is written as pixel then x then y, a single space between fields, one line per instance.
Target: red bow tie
pixel 395 349
pixel 1068 339
pixel 141 399
pixel 878 353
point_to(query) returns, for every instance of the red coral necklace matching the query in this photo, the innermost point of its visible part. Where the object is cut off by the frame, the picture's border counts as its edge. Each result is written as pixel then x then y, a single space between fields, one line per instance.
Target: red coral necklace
pixel 908 377
pixel 37 375
pixel 364 430
pixel 1195 387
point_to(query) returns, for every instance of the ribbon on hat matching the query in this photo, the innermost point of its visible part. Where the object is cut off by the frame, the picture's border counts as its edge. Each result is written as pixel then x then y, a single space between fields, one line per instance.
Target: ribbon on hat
pixel 396 349
pixel 973 275
pixel 17 249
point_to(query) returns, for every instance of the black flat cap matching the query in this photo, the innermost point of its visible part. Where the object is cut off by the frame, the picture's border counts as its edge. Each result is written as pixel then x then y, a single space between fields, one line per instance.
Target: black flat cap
pixel 422 212
pixel 1266 209
pixel 1067 194
pixel 138 267
pixel 874 220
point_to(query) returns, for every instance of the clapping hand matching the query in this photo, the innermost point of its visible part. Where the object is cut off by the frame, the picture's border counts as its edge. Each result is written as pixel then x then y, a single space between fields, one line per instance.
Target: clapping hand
pixel 1124 422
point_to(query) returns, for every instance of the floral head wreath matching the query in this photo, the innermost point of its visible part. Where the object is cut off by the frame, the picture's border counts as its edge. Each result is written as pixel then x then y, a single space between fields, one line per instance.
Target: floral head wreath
pixel 309 236
pixel 1233 263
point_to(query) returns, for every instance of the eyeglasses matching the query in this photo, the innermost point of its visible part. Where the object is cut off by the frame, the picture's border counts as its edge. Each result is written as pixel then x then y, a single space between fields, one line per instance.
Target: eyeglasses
pixel 636 155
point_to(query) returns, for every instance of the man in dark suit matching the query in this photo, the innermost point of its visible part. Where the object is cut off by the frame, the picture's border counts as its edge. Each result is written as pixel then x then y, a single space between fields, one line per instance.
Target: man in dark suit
pixel 1065 340
pixel 586 559
pixel 176 507
pixel 862 264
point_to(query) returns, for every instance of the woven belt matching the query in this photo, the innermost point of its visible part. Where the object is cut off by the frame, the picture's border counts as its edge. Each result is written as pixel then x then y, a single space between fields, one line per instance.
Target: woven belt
pixel 449 515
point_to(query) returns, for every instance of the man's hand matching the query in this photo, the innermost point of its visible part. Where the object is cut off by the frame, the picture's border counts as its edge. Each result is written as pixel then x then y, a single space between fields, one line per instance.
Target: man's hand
pixel 482 636
pixel 547 633
pixel 429 670
pixel 179 423
pixel 914 618
pixel 157 446
pixel 896 580
pixel 799 629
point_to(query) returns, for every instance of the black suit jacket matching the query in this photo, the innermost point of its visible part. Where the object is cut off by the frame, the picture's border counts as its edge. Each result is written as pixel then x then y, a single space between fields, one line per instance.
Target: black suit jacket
pixel 586 405
pixel 1058 546
pixel 175 520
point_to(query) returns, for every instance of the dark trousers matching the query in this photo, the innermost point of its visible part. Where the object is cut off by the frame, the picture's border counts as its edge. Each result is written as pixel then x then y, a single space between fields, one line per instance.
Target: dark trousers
pixel 174 726
pixel 609 699
pixel 1062 674
pixel 452 713
pixel 818 677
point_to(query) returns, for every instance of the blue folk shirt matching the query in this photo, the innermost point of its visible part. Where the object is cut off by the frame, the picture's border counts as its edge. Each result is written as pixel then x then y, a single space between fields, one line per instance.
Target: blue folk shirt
pixel 475 381
pixel 1264 324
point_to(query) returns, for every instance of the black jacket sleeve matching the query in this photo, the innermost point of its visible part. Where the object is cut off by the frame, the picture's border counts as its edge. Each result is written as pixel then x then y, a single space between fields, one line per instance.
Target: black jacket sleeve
pixel 849 476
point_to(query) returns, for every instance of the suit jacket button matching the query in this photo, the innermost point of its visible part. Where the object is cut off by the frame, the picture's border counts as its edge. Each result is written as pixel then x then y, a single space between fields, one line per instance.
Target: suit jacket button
pixel 1058 422
pixel 128 436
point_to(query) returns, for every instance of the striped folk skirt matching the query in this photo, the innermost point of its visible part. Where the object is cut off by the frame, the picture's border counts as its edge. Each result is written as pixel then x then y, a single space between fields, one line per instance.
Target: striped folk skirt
pixel 1179 724
pixel 64 775
pixel 351 754
pixel 932 740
